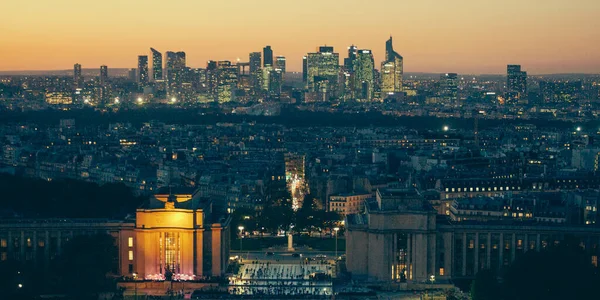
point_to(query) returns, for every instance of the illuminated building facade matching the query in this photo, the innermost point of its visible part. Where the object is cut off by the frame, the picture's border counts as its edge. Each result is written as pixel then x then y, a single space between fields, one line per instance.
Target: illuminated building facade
pixel 227 81
pixel 255 73
pixel 58 98
pixel 174 71
pixel 516 83
pixel 280 63
pixel 77 76
pixel 103 75
pixel 180 234
pixel 400 239
pixel 449 88
pixel 174 234
pixel 391 70
pixel 322 70
pixel 142 72
pixel 364 76
pixel 157 65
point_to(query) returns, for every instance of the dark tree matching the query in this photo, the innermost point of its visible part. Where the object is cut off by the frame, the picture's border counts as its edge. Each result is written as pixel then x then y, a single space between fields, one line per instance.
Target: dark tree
pixel 485 286
pixel 85 263
pixel 560 272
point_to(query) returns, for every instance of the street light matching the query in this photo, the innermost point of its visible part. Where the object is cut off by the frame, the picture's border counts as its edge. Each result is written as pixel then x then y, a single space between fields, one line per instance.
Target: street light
pixel 241 228
pixel 135 284
pixel 173 100
pixel 578 128
pixel 336 229
pixel 20 285
pixel 446 128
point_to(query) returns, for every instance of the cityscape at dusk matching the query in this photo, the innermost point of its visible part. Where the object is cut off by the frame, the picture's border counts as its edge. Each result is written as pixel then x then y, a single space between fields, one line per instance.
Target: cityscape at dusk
pixel 300 150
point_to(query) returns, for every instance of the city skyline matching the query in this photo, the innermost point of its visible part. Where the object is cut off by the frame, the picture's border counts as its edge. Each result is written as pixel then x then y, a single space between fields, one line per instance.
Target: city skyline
pixel 465 37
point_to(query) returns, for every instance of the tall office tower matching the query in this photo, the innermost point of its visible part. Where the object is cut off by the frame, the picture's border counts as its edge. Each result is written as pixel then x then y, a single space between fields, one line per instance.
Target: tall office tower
pixel 265 77
pixel 305 70
pixel 212 79
pixel 103 75
pixel 132 75
pixel 142 69
pixel 227 81
pixel 174 71
pixel 267 56
pixel 255 61
pixel 255 74
pixel 449 88
pixel 322 67
pixel 349 61
pixel 364 75
pixel 77 77
pixel 280 63
pixel 391 70
pixel 516 83
pixel 275 82
pixel 157 65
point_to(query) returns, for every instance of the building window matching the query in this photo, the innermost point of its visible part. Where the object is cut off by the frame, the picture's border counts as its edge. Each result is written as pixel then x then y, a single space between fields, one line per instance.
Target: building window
pixel 41 243
pixel 130 254
pixel 130 242
pixel 130 268
pixel 3 243
pixel 471 244
pixel 29 244
pixel 441 271
pixel 595 261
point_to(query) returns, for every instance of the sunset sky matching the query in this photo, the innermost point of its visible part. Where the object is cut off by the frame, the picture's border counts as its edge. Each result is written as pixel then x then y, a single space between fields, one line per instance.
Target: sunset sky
pixel 463 36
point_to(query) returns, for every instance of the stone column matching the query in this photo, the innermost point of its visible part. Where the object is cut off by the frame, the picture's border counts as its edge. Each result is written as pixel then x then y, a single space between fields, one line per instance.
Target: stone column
pixel 47 250
pixel 501 252
pixel 464 255
pixel 513 248
pixel 35 246
pixel 408 259
pixel 448 253
pixel 489 251
pixel 476 253
pixel 22 245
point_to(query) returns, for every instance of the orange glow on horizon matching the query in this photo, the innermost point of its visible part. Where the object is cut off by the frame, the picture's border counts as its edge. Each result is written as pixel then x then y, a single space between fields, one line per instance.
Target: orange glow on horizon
pixel 462 36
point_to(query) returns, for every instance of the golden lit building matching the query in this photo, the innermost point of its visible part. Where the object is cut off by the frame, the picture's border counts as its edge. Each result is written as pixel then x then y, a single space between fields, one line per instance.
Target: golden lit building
pixel 58 98
pixel 175 233
pixel 180 234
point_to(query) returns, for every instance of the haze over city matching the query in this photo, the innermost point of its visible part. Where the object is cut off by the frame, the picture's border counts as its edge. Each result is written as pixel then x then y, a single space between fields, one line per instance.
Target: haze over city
pixel 465 36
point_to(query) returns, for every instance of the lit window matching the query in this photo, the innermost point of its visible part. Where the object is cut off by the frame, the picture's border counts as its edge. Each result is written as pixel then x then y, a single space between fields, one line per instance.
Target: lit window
pixel 471 244
pixel 3 243
pixel 29 242
pixel 595 261
pixel 130 254
pixel 441 271
pixel 130 242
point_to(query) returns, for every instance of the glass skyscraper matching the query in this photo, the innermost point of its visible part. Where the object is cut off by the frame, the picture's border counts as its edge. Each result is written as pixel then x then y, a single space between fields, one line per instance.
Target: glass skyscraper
pixel 142 70
pixel 364 75
pixel 157 65
pixel 391 70
pixel 322 67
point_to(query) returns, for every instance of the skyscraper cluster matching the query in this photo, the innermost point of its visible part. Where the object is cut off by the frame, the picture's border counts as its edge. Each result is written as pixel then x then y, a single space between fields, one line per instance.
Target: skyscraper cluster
pixel 356 79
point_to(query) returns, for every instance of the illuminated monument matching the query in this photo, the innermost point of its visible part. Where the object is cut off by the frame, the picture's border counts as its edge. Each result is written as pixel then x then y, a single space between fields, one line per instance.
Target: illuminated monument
pixel 180 235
